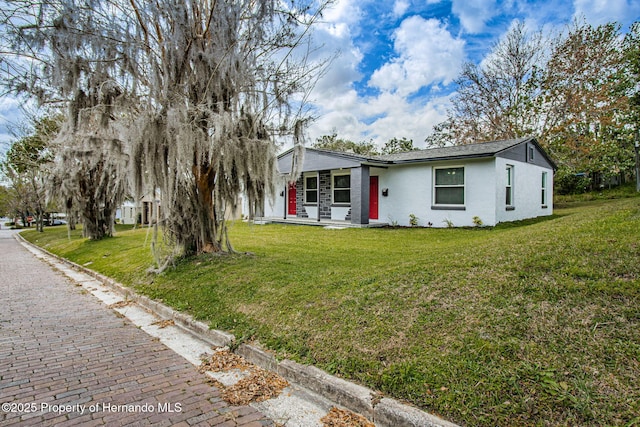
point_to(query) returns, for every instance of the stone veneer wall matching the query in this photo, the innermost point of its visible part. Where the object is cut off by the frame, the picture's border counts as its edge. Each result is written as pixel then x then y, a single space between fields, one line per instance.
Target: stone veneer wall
pixel 325 197
pixel 325 194
pixel 300 210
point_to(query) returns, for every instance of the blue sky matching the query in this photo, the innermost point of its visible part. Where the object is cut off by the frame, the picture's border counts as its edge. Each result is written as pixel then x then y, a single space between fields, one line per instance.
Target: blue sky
pixel 397 60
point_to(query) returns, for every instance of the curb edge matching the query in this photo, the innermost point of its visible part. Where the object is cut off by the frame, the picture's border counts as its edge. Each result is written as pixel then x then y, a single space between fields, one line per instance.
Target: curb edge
pixel 386 412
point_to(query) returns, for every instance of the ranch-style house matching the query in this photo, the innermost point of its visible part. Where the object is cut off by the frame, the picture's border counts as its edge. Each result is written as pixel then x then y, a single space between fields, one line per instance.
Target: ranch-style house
pixel 491 182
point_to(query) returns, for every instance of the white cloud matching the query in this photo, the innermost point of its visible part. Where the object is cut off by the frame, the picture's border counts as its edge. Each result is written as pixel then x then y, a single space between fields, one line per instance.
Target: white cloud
pixel 474 14
pixel 428 54
pixel 8 107
pixel 335 35
pixel 340 74
pixel 603 11
pixel 400 7
pixel 343 13
pixel 401 118
pixel 344 123
pixel 380 118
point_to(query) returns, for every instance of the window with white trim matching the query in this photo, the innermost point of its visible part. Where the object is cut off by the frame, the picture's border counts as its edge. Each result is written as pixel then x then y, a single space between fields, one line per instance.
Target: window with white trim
pixel 509 187
pixel 544 189
pixel 311 189
pixel 448 188
pixel 341 189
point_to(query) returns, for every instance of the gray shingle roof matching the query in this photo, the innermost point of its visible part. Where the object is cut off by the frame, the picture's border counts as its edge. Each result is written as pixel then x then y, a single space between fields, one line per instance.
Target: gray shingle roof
pixel 479 150
pixel 484 149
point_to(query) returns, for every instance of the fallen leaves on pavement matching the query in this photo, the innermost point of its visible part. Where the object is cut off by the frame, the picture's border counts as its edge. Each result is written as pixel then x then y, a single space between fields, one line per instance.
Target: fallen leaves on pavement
pixel 259 385
pixel 120 304
pixel 164 323
pixel 224 360
pixel 343 418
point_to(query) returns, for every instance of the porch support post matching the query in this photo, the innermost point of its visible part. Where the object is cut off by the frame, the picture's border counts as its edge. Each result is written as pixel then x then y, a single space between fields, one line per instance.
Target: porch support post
pixel 286 200
pixel 318 196
pixel 360 195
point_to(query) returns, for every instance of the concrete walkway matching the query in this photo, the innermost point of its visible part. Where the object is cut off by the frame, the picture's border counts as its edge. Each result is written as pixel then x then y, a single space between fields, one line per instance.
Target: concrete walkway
pixel 66 359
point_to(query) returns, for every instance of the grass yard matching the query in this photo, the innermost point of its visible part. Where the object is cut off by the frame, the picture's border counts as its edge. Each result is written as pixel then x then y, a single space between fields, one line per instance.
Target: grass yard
pixel 530 323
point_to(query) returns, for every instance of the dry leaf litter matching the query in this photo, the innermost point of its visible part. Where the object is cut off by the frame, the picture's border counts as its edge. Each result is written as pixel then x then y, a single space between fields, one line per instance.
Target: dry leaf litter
pixel 343 418
pixel 120 304
pixel 259 385
pixel 164 323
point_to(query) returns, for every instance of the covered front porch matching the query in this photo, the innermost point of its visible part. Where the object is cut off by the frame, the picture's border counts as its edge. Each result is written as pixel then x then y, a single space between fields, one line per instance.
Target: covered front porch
pixel 333 189
pixel 346 195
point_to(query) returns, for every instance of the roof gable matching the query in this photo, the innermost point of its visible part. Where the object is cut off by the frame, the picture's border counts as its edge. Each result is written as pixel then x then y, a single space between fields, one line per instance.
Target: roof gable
pixel 315 160
pixel 520 153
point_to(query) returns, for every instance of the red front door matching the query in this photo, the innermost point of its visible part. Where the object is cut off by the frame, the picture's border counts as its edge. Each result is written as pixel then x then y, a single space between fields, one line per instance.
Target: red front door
pixel 373 197
pixel 292 199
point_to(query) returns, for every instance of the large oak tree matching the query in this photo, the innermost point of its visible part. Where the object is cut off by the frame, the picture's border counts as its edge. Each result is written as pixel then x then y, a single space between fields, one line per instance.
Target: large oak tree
pixel 190 96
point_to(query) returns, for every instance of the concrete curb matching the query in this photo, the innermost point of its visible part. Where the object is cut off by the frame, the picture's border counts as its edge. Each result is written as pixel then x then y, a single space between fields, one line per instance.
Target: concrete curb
pixel 390 412
pixel 384 412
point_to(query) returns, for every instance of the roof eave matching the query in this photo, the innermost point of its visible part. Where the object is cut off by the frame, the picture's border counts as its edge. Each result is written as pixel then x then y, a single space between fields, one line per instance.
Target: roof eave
pixel 444 159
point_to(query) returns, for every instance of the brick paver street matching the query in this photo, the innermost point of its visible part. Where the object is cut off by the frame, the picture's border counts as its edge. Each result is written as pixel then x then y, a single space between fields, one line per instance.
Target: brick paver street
pixel 66 359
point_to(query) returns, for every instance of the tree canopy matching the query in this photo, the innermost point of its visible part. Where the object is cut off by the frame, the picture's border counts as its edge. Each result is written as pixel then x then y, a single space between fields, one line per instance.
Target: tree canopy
pixel 188 97
pixel 333 143
pixel 575 92
pixel 395 145
pixel 26 168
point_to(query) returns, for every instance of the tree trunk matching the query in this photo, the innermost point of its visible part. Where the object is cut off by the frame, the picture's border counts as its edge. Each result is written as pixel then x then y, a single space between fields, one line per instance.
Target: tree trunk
pixel 205 184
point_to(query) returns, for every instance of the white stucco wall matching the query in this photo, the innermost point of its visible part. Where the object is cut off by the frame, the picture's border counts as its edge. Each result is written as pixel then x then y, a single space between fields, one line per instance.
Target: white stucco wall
pixel 479 193
pixel 527 191
pixel 411 192
pixel 274 208
pixel 408 193
pixel 339 213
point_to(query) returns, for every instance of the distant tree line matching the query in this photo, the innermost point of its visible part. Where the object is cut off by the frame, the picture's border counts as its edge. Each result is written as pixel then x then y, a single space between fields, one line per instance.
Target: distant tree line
pixel 363 148
pixel 26 171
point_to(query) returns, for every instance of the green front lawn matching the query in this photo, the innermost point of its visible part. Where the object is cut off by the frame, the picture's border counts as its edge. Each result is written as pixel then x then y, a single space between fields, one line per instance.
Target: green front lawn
pixel 531 323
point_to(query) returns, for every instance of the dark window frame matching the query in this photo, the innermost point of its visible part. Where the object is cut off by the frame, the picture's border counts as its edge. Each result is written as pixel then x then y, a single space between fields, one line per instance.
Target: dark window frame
pixel 440 188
